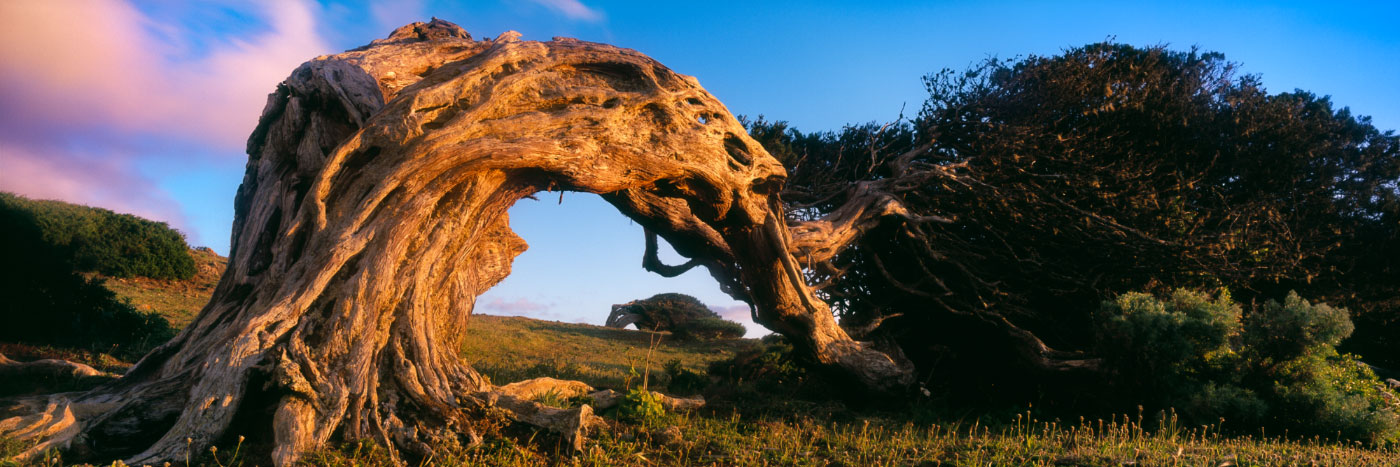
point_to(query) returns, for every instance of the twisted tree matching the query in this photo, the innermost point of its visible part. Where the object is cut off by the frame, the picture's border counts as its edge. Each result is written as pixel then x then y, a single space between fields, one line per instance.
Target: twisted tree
pixel 1027 191
pixel 373 213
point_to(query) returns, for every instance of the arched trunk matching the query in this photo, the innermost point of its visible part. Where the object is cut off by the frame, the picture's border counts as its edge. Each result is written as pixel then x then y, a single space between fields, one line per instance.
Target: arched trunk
pixel 373 213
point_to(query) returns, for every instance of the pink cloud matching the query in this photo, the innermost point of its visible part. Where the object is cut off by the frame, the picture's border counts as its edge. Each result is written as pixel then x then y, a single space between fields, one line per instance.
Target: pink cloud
pixel 520 306
pixel 572 9
pixel 94 181
pixel 92 91
pixel 103 63
pixel 738 312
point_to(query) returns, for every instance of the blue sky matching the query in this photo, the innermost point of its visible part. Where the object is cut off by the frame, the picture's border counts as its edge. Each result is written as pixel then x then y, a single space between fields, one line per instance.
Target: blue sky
pixel 143 107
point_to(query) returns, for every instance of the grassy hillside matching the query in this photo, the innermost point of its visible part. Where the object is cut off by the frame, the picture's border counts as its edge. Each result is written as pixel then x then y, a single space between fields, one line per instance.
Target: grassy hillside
pixel 178 301
pixel 89 239
pixel 755 424
pixel 750 421
pixel 508 349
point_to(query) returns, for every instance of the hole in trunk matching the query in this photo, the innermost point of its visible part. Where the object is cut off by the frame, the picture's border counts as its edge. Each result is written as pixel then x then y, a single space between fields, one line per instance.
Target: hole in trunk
pixel 582 259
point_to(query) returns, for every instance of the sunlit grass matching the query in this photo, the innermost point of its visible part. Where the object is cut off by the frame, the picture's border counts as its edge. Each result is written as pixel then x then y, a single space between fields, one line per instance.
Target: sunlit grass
pixel 509 349
pixel 178 301
pixel 775 429
pixel 734 440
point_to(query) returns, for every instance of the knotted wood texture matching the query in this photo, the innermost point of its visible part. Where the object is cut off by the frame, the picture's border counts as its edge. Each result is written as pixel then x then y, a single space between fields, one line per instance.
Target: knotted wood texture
pixel 373 213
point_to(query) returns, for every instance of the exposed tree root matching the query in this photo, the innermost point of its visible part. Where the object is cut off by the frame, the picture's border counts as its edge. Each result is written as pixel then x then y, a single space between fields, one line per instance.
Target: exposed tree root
pixel 47 368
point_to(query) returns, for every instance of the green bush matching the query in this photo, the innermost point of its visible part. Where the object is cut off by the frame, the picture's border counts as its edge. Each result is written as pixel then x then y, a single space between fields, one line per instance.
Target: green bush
pixel 1326 394
pixel 44 302
pixel 97 240
pixel 770 365
pixel 1295 328
pixel 708 328
pixel 683 315
pixel 1152 343
pixel 640 405
pixel 1278 370
pixel 682 380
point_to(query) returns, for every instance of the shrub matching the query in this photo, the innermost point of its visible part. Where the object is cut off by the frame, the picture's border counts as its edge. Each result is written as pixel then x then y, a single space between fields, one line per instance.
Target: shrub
pixel 640 405
pixel 683 380
pixel 1151 342
pixel 1280 370
pixel 772 364
pixel 98 240
pixel 1296 328
pixel 43 302
pixel 708 328
pixel 1326 394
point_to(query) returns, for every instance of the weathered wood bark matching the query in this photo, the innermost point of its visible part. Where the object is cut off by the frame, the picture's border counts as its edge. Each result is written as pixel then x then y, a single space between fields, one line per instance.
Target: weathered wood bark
pixel 373 213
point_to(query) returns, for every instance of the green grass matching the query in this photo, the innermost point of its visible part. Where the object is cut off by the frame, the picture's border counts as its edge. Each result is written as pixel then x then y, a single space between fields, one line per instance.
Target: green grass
pixel 178 301
pixel 746 424
pixel 508 349
pixel 715 439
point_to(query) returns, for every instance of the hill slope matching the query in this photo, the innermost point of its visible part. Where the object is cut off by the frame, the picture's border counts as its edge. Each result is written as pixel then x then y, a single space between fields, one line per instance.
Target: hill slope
pixel 760 424
pixel 508 348
pixel 177 300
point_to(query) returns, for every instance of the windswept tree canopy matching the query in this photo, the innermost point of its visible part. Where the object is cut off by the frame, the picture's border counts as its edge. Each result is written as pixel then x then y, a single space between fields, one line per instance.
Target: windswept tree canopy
pixel 1039 186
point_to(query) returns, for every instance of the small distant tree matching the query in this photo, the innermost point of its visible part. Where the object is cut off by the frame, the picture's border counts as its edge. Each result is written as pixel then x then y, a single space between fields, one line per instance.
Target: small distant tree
pixel 683 315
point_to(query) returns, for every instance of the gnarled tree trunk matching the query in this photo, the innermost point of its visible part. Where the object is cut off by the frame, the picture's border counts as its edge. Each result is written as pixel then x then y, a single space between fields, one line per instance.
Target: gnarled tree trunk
pixel 373 213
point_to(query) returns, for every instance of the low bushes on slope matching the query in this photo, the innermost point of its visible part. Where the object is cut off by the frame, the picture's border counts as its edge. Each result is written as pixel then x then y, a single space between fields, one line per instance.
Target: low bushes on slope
pixel 43 301
pixel 1276 368
pixel 97 240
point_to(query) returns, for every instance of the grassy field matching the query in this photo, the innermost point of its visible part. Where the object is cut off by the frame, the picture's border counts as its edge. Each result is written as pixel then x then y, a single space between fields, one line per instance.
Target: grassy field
pixel 176 300
pixel 746 422
pixel 508 349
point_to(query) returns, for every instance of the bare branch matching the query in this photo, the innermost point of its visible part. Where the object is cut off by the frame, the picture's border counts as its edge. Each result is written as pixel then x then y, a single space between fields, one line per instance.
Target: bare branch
pixel 652 262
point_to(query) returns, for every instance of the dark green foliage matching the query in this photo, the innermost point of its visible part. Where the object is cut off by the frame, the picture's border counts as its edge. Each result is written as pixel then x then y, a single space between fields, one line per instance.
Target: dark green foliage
pixel 44 302
pixel 770 365
pixel 98 240
pixel 708 328
pixel 1295 328
pixel 1068 166
pixel 682 380
pixel 1152 344
pixel 1279 370
pixel 685 316
pixel 662 312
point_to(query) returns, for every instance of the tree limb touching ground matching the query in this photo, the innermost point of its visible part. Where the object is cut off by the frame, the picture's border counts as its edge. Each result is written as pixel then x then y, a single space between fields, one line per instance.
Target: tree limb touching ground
pixel 373 213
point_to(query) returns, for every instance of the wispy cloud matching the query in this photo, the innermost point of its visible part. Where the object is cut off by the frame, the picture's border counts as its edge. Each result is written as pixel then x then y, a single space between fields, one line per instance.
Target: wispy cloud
pixel 573 9
pixel 104 63
pixel 85 179
pixel 94 90
pixel 519 306
pixel 390 14
pixel 733 312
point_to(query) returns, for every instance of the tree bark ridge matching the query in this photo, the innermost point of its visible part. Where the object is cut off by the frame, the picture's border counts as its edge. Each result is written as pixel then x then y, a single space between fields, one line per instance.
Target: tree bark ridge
pixel 373 213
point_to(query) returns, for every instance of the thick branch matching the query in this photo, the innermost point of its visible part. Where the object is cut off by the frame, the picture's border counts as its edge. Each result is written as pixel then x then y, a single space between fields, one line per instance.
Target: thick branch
pixel 652 262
